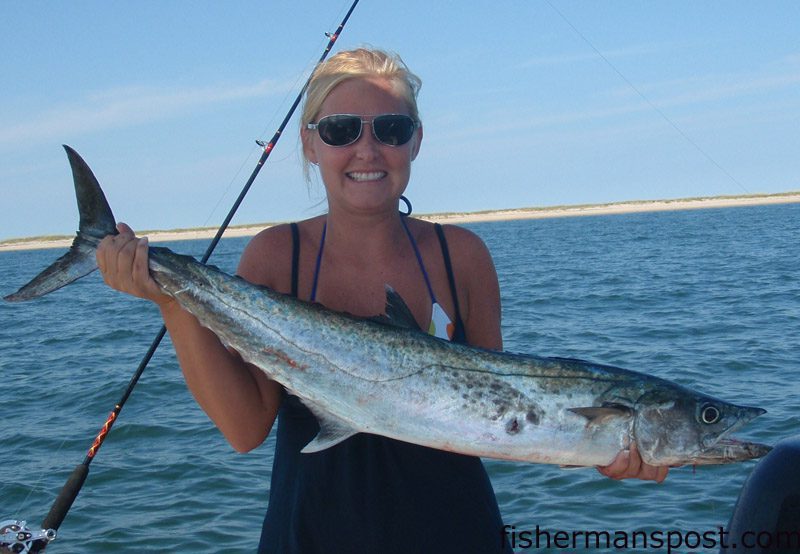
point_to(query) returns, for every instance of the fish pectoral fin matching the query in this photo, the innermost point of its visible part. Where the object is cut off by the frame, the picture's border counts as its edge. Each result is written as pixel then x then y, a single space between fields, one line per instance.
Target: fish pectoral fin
pixel 599 414
pixel 331 433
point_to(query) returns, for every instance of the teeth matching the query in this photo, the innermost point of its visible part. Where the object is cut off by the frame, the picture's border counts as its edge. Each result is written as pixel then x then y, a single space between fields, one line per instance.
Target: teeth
pixel 366 176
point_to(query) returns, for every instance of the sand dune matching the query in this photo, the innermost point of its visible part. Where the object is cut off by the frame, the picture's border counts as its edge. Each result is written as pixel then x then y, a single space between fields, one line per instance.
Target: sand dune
pixel 469 217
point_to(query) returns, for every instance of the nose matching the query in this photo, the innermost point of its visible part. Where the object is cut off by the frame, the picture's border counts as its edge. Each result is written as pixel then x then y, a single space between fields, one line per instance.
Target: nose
pixel 367 145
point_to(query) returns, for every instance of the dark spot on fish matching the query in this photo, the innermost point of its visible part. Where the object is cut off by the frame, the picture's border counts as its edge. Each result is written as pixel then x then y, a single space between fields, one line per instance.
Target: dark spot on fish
pixel 532 417
pixel 512 427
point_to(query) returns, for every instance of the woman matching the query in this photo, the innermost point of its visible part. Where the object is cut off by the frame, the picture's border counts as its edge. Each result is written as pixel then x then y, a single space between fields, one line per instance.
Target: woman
pixel 361 127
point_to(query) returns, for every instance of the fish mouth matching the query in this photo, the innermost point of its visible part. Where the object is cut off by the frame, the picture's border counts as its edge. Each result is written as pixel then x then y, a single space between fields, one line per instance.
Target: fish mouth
pixel 725 449
pixel 733 442
pixel 728 450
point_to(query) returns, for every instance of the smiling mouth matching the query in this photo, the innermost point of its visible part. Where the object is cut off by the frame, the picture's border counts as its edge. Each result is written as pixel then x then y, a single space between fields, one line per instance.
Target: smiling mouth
pixel 362 176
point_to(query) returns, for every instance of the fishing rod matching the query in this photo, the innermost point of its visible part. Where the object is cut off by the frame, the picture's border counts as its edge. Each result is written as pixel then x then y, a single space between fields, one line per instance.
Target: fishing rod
pixel 16 536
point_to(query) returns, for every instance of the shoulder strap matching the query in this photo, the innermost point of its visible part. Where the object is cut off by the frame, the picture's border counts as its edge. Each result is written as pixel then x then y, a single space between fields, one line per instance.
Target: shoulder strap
pixel 295 257
pixel 450 277
pixel 419 259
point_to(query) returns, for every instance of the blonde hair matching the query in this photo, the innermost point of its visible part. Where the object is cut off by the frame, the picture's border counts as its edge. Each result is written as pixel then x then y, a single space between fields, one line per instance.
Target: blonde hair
pixel 352 64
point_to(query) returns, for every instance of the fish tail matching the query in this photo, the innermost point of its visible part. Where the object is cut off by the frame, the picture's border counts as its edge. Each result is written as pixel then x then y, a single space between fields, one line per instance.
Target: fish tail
pixel 96 222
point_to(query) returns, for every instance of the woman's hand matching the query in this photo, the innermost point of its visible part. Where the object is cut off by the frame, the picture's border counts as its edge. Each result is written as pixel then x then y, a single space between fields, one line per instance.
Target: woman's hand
pixel 629 465
pixel 122 260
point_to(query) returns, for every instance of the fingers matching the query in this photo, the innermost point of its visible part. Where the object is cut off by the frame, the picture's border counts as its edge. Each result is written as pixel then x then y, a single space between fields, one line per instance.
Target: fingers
pixel 141 271
pixel 115 256
pixel 124 229
pixel 629 465
pixel 123 261
pixel 126 275
pixel 619 467
pixel 108 255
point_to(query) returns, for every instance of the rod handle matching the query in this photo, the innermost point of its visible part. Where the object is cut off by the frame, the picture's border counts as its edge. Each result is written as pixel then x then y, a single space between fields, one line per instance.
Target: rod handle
pixel 62 504
pixel 58 511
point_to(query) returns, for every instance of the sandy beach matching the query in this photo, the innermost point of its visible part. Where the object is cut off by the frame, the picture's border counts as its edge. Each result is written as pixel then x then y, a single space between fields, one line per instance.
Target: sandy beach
pixel 32 243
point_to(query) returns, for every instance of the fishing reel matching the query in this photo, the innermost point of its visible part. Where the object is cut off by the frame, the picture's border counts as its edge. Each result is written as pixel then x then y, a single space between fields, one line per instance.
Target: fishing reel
pixel 16 537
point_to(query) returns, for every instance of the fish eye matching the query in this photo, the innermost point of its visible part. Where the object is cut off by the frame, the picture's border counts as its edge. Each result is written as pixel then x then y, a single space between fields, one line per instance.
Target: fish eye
pixel 710 414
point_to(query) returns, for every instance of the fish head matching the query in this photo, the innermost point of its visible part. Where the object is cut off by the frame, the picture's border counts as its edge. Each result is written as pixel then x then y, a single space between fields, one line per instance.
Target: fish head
pixel 675 426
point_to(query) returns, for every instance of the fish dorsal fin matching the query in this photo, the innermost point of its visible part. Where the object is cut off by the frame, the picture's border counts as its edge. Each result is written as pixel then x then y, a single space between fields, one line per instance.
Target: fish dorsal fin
pixel 598 414
pixel 332 431
pixel 397 312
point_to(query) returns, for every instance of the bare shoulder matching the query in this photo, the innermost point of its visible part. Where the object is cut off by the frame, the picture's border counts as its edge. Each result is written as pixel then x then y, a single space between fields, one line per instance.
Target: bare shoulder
pixel 477 286
pixel 265 255
pixel 467 249
pixel 267 258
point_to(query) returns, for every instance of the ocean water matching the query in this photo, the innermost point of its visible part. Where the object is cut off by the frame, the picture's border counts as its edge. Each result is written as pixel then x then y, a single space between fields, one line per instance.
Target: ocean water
pixel 707 298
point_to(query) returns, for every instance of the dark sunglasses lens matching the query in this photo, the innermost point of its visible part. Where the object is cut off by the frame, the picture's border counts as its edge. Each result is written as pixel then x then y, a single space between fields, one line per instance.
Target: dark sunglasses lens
pixel 339 130
pixel 393 130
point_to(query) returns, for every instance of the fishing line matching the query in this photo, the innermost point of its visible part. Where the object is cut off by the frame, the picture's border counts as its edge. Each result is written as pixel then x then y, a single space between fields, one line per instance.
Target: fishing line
pixel 33 487
pixel 40 539
pixel 664 116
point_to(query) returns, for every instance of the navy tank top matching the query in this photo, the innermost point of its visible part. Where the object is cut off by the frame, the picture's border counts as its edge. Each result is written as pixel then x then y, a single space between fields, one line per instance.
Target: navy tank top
pixel 373 494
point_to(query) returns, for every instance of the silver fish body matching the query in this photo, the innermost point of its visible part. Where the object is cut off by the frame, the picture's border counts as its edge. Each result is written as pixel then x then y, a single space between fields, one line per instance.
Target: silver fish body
pixel 389 378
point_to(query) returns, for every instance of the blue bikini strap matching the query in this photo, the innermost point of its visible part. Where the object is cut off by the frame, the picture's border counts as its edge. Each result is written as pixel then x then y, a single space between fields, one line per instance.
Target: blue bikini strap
pixel 413 246
pixel 419 259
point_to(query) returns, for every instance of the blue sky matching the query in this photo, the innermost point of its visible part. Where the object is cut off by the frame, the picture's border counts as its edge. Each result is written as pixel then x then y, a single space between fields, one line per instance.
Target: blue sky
pixel 524 103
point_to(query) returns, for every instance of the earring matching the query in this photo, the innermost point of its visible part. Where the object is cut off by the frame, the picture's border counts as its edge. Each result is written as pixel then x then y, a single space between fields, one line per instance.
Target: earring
pixel 408 205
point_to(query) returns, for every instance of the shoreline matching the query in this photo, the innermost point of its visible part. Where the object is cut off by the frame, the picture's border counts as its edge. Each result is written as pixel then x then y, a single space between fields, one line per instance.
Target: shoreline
pixel 633 206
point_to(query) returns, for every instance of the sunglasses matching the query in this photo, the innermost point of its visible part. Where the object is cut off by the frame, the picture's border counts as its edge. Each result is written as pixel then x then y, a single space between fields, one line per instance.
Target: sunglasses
pixel 344 129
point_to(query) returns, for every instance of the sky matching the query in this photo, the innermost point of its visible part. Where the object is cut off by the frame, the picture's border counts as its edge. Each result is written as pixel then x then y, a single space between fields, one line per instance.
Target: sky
pixel 524 103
